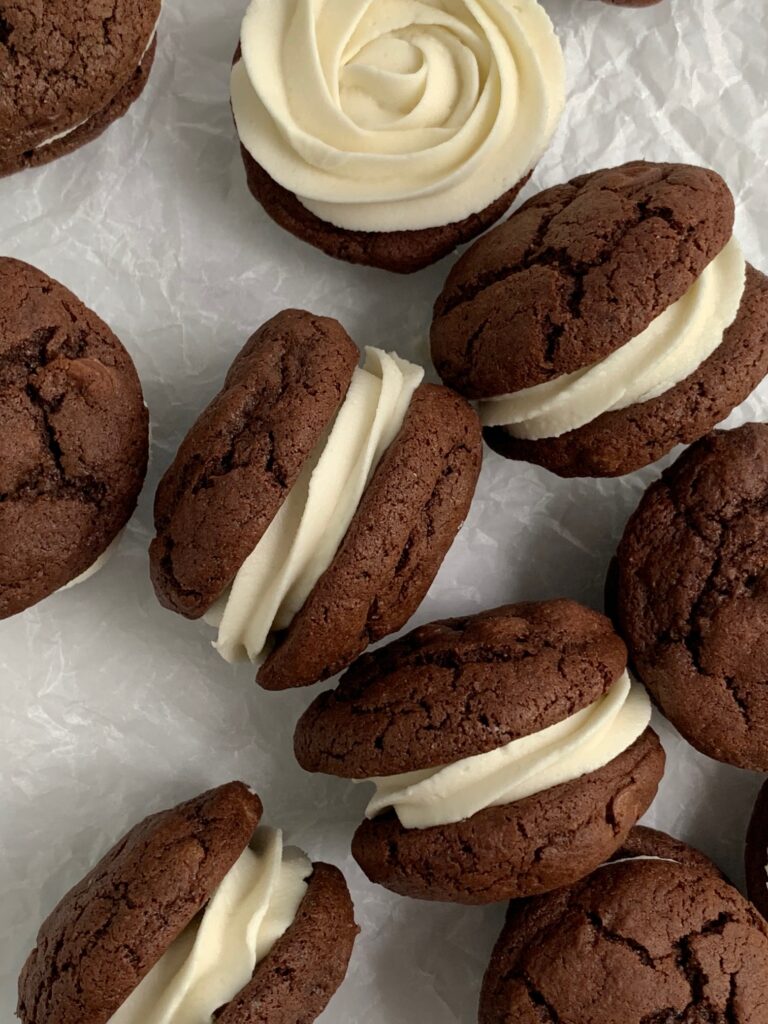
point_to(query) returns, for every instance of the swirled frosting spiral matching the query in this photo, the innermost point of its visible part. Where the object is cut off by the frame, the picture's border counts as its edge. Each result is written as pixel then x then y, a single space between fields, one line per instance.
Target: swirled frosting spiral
pixel 385 115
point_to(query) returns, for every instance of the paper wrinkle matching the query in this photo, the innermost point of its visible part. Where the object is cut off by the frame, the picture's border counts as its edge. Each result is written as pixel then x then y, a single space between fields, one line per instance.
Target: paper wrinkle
pixel 111 707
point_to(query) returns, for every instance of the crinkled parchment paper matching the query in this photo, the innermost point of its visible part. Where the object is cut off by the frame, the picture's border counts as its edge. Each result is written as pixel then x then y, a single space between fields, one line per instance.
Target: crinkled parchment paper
pixel 111 707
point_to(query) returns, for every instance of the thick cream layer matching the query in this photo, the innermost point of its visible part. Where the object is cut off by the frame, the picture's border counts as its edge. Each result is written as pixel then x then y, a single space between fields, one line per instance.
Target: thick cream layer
pixel 275 580
pixel 385 115
pixel 581 744
pixel 215 957
pixel 670 349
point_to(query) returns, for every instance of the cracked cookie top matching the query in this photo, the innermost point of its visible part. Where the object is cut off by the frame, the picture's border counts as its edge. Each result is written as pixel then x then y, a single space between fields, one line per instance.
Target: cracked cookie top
pixel 461 687
pixel 73 436
pixel 576 273
pixel 113 926
pixel 638 942
pixel 61 63
pixel 691 594
pixel 237 464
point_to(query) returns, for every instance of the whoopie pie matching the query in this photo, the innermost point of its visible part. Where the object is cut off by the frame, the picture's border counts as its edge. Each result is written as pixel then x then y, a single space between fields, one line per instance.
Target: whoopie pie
pixel 606 321
pixel 196 913
pixel 689 594
pixel 653 937
pixel 74 438
pixel 67 71
pixel 510 751
pixel 310 506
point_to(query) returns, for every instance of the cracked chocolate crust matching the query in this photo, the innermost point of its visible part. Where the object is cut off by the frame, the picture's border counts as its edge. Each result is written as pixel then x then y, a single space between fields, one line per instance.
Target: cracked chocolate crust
pixel 407 520
pixel 66 65
pixel 621 442
pixel 402 252
pixel 756 855
pixel 90 129
pixel 460 687
pixel 113 926
pixel 295 982
pixel 577 272
pixel 691 594
pixel 238 462
pixel 531 846
pixel 74 436
pixel 636 943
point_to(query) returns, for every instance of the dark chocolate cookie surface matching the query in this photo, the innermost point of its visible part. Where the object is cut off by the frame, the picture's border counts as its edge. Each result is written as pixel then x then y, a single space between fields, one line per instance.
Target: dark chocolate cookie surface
pixel 73 436
pixel 62 65
pixel 460 687
pixel 113 926
pixel 408 517
pixel 236 465
pixel 640 942
pixel 402 252
pixel 691 594
pixel 622 441
pixel 575 273
pixel 294 983
pixel 533 845
pixel 757 853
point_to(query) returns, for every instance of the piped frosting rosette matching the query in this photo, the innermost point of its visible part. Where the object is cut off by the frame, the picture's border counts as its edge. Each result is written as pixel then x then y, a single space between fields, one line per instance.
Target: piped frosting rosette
pixel 385 115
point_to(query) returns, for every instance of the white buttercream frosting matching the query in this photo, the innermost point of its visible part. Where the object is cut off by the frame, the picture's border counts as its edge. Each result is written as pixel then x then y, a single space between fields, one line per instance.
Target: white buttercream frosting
pixel 580 744
pixel 670 349
pixel 215 956
pixel 298 546
pixel 385 115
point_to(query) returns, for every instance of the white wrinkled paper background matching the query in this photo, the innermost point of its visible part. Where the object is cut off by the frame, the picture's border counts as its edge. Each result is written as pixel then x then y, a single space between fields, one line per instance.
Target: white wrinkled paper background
pixel 111 707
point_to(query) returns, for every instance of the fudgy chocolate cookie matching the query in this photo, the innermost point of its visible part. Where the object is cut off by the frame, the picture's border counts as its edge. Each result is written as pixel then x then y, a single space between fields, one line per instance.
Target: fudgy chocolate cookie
pixel 145 898
pixel 73 437
pixel 611 287
pixel 757 853
pixel 689 594
pixel 636 942
pixel 474 731
pixel 291 430
pixel 67 72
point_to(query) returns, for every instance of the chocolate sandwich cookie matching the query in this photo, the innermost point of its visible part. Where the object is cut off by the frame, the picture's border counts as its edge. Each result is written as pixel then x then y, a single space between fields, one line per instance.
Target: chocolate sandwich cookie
pixel 197 913
pixel 641 941
pixel 511 753
pixel 606 321
pixel 390 137
pixel 689 594
pixel 67 71
pixel 74 438
pixel 309 508
pixel 757 854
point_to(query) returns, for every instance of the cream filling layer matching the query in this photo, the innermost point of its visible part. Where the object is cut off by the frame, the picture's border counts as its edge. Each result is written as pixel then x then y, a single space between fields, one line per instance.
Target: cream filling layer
pixel 580 744
pixel 384 115
pixel 670 349
pixel 216 955
pixel 71 131
pixel 300 543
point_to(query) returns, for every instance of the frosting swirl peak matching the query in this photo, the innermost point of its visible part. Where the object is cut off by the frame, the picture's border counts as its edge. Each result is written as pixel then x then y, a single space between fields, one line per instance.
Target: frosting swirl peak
pixel 385 115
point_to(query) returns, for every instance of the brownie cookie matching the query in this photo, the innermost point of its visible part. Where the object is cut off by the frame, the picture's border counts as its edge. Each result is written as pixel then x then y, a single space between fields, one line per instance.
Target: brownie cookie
pixel 73 437
pixel 456 724
pixel 689 594
pixel 311 505
pixel 637 324
pixel 67 72
pixel 650 842
pixel 638 942
pixel 757 853
pixel 359 160
pixel 113 947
